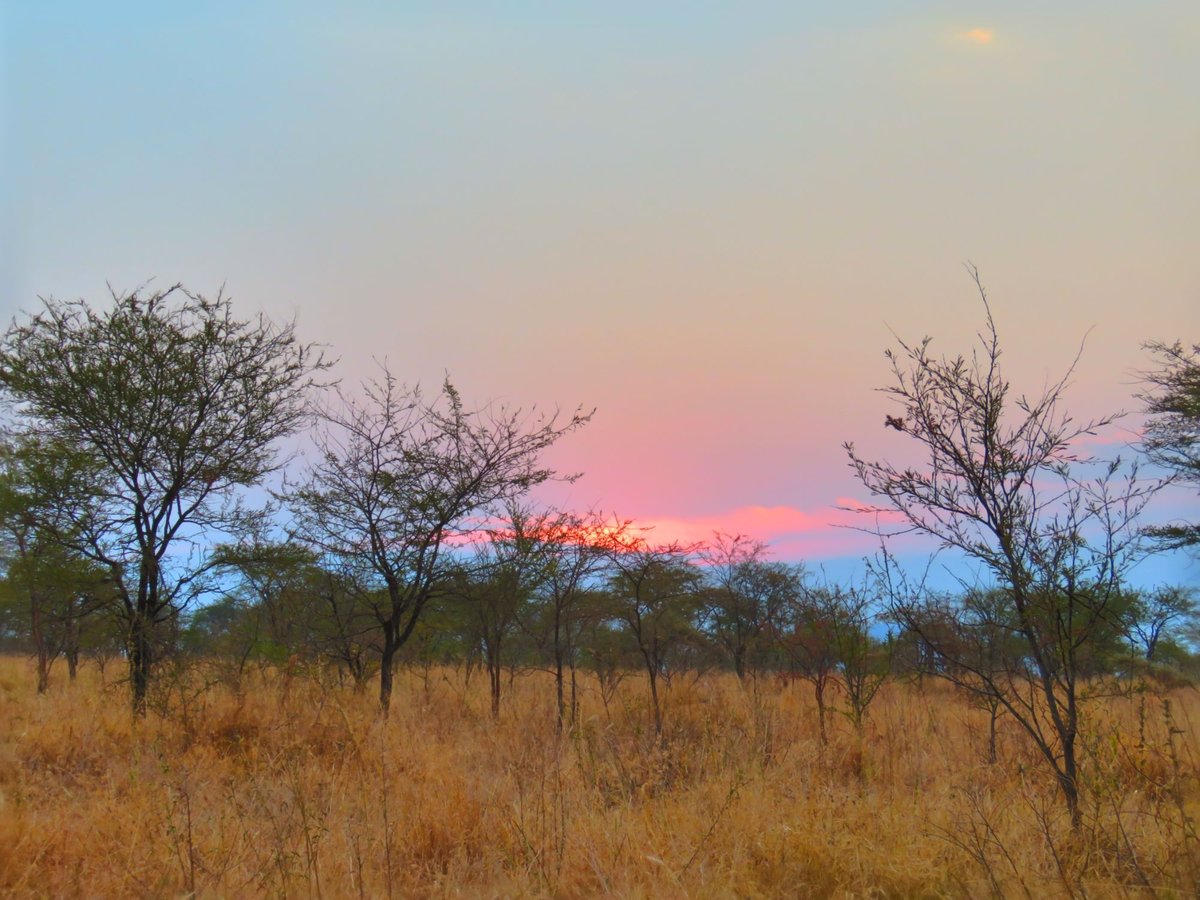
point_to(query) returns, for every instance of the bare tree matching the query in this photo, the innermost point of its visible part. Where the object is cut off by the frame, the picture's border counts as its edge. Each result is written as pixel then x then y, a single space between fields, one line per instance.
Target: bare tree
pixel 398 478
pixel 177 404
pixel 1002 483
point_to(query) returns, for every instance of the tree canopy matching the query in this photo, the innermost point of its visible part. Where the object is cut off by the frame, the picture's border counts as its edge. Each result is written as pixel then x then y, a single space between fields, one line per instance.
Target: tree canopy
pixel 1172 436
pixel 399 477
pixel 175 403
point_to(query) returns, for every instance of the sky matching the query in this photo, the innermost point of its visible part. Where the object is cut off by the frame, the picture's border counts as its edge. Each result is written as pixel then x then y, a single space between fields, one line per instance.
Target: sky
pixel 705 220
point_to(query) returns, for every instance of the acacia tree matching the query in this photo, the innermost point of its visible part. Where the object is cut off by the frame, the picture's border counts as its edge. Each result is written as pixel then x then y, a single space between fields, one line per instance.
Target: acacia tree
pixel 498 588
pixel 842 618
pixel 830 645
pixel 340 625
pixel 1172 436
pixel 576 548
pixel 805 635
pixel 58 586
pixel 745 596
pixel 1160 614
pixel 177 404
pixel 270 581
pixel 654 592
pixel 398 477
pixel 982 628
pixel 1002 484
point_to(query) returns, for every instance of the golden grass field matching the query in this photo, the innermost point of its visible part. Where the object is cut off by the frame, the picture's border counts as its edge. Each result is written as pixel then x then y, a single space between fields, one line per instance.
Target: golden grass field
pixel 282 786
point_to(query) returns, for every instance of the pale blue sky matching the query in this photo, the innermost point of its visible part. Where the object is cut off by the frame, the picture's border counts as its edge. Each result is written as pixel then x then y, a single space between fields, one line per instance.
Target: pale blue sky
pixel 701 218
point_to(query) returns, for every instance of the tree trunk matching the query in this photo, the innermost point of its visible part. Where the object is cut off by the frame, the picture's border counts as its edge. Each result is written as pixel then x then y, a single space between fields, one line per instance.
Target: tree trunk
pixel 386 671
pixel 71 641
pixel 40 645
pixel 994 711
pixel 492 662
pixel 43 670
pixel 658 722
pixel 574 698
pixel 819 690
pixel 494 674
pixel 558 684
pixel 1068 782
pixel 141 658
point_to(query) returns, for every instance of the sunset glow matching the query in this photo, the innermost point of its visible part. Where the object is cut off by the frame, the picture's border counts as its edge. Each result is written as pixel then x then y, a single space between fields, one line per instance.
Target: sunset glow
pixel 819 532
pixel 707 226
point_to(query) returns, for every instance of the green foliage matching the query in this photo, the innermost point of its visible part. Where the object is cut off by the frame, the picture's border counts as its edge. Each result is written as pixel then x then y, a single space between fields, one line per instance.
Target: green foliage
pixel 48 586
pixel 1157 622
pixel 833 625
pixel 746 599
pixel 174 404
pixel 654 592
pixel 1172 436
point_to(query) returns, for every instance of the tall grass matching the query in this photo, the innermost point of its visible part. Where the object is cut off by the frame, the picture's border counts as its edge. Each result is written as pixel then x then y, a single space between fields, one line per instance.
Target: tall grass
pixel 287 785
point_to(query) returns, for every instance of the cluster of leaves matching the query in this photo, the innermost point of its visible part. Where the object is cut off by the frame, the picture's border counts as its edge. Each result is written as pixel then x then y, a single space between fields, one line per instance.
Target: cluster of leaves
pixel 1172 436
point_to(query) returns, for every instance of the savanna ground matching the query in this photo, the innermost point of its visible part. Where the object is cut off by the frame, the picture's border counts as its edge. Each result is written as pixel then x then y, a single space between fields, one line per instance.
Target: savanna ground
pixel 287 785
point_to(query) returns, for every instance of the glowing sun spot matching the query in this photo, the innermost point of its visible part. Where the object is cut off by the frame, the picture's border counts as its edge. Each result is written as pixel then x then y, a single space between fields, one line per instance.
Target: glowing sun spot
pixel 979 35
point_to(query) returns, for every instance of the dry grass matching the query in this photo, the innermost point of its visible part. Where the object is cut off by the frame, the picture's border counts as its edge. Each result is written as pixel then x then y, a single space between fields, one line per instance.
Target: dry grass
pixel 288 787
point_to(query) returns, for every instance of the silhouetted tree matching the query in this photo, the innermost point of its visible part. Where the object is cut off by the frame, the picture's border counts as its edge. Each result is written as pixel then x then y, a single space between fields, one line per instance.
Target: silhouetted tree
pixel 576 548
pixel 653 589
pixel 398 477
pixel 976 642
pixel 271 583
pixel 744 595
pixel 508 566
pixel 1002 483
pixel 844 616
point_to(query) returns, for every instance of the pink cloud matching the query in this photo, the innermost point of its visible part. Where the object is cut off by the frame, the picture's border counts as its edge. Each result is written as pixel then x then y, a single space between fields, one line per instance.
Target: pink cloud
pixel 789 531
pixel 843 528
